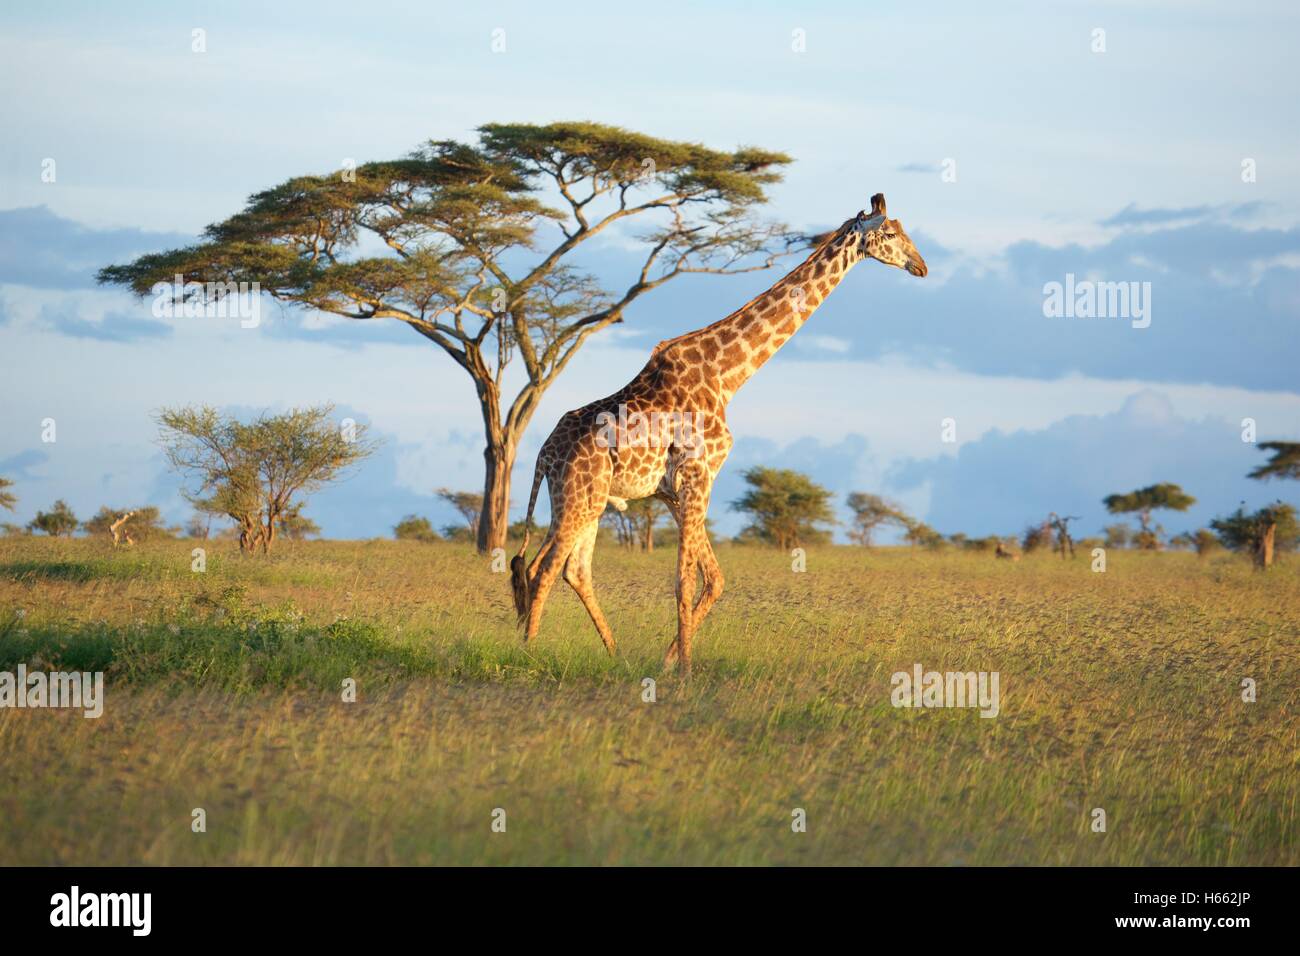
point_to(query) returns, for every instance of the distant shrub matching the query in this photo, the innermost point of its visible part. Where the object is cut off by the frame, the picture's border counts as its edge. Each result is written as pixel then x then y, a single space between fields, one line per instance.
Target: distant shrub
pixel 920 534
pixel 1118 535
pixel 414 528
pixel 56 522
pixel 1036 536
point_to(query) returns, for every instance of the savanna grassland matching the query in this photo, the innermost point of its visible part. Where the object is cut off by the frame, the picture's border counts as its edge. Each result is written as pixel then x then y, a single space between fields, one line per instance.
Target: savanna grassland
pixel 1120 690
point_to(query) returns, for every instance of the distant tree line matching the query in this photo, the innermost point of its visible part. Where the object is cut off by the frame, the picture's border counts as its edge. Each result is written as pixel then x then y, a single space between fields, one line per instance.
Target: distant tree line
pixel 787 509
pixel 256 474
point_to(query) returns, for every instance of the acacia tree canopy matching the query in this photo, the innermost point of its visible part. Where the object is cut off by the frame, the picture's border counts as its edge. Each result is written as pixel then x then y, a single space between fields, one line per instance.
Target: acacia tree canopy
pixel 1284 463
pixel 871 512
pixel 468 504
pixel 458 241
pixel 1143 501
pixel 57 522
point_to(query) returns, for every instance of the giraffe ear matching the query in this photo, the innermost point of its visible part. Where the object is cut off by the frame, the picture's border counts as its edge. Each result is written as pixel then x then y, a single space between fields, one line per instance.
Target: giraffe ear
pixel 878 204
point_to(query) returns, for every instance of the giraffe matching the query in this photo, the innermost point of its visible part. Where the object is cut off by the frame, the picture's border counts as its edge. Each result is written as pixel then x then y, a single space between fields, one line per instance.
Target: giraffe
pixel 665 434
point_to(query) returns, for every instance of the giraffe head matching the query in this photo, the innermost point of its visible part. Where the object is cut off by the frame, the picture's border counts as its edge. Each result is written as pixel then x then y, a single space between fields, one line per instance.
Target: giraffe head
pixel 875 236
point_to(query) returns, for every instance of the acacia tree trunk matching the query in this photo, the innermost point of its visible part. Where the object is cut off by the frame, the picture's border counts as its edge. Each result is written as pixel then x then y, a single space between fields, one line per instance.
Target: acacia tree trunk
pixel 1264 547
pixel 498 462
pixel 500 447
pixel 250 532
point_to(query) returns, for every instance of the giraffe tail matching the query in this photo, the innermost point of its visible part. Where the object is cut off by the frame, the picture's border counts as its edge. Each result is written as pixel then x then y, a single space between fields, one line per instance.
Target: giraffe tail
pixel 518 566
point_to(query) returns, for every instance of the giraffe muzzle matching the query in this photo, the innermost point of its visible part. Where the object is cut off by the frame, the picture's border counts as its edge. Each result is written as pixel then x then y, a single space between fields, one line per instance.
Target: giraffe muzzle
pixel 917 267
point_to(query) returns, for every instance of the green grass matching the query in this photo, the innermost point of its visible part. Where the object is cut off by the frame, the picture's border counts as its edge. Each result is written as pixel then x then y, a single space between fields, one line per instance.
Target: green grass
pixel 1120 690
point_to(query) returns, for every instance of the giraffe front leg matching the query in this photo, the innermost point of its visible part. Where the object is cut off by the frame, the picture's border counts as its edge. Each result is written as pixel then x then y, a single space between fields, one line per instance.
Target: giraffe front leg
pixel 670 658
pixel 693 505
pixel 679 651
pixel 577 571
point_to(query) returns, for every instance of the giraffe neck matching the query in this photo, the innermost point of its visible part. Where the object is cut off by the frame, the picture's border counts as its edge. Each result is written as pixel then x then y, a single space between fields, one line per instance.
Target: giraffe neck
pixel 740 344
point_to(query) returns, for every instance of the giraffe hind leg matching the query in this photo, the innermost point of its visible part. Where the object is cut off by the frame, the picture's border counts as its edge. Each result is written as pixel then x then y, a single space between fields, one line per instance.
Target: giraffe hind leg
pixel 711 572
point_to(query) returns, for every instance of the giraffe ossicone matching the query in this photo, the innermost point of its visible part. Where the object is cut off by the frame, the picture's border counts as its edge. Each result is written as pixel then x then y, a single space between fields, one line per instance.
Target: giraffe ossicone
pixel 618 448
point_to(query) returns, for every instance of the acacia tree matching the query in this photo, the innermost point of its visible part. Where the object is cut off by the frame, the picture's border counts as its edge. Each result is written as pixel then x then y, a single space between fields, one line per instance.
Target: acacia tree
pixel 251 472
pixel 7 498
pixel 1143 501
pixel 1284 463
pixel 468 504
pixel 786 507
pixel 634 527
pixel 919 534
pixel 870 513
pixel 1271 528
pixel 56 522
pixel 1064 542
pixel 476 262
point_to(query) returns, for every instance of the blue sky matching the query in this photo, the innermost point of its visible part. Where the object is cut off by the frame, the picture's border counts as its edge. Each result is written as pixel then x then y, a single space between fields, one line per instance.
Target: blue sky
pixel 1122 165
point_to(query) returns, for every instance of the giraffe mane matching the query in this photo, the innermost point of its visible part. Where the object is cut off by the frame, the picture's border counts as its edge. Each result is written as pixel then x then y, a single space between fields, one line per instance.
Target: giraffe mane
pixel 816 244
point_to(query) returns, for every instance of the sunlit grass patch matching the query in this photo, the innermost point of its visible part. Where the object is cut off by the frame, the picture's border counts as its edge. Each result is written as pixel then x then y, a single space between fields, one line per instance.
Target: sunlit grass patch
pixel 1121 691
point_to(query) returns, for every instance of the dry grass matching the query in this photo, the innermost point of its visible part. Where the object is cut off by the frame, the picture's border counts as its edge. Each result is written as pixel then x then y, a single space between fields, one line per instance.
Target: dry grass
pixel 1119 690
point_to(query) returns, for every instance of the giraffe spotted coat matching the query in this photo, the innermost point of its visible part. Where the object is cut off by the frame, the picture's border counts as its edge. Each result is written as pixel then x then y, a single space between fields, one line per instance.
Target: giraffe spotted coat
pixel 665 434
